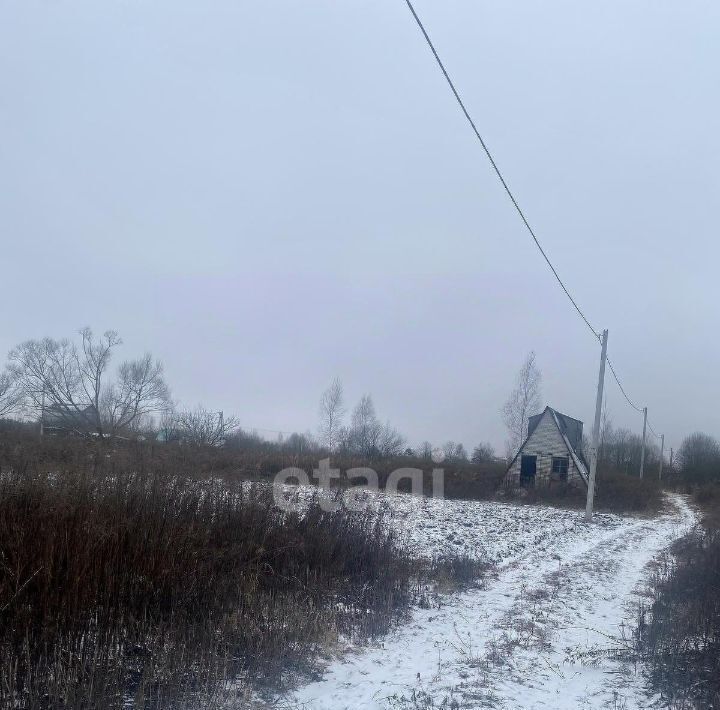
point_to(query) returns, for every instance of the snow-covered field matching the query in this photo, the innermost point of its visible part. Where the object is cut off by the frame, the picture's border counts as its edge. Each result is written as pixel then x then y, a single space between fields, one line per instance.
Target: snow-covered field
pixel 536 636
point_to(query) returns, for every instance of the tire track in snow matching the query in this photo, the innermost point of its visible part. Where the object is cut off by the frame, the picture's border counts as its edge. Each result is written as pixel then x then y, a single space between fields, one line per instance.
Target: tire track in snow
pixel 511 644
pixel 554 646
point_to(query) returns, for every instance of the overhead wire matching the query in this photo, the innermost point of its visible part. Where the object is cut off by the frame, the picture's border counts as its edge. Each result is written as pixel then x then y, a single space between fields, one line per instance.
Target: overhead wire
pixel 659 436
pixel 510 194
pixel 497 170
pixel 622 389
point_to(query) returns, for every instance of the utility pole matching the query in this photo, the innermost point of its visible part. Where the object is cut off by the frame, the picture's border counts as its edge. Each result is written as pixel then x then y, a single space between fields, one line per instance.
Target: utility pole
pixel 642 452
pixel 596 430
pixel 671 458
pixel 662 449
pixel 42 413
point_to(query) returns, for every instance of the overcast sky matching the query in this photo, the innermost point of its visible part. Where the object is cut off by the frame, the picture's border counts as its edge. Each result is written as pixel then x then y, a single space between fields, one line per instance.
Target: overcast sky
pixel 267 195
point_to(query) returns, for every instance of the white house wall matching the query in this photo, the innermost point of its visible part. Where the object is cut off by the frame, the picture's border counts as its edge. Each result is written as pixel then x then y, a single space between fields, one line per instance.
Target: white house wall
pixel 545 442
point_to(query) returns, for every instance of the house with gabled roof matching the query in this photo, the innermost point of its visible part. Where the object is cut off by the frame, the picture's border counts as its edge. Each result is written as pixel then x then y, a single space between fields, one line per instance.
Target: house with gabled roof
pixel 67 419
pixel 551 453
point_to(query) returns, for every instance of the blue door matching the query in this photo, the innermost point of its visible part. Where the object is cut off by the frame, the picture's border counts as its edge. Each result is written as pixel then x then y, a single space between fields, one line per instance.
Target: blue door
pixel 528 468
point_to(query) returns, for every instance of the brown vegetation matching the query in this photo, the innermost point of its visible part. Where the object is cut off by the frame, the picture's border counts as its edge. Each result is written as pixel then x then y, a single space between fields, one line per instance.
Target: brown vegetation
pixel 615 491
pixel 128 572
pixel 679 632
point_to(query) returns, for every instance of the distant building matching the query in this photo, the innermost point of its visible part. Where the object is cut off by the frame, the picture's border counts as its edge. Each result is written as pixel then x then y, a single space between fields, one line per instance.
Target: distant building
pixel 59 419
pixel 551 453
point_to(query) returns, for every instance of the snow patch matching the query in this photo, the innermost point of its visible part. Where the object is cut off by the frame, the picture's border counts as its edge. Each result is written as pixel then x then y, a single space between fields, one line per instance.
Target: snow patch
pixel 541 634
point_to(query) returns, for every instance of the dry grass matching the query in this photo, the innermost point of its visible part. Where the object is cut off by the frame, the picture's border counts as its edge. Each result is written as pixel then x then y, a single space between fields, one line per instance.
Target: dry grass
pixel 615 492
pixel 155 576
pixel 159 587
pixel 679 632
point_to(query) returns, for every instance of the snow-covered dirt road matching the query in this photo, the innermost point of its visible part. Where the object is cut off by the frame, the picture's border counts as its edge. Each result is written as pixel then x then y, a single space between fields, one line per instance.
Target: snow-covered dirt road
pixel 536 636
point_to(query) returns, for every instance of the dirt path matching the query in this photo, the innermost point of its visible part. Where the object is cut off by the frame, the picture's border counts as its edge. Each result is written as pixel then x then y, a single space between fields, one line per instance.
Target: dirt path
pixel 537 636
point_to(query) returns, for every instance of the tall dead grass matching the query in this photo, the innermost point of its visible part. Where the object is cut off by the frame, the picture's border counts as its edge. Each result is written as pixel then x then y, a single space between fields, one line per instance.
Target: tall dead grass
pixel 615 492
pixel 121 585
pixel 151 576
pixel 679 632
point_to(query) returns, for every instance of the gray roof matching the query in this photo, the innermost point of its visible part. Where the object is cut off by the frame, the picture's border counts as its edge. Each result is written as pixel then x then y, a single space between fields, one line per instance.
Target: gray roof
pixel 56 416
pixel 569 426
pixel 566 425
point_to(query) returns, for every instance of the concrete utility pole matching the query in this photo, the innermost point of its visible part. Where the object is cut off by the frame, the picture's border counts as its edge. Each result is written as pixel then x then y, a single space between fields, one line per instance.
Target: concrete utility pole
pixel 642 453
pixel 596 430
pixel 662 449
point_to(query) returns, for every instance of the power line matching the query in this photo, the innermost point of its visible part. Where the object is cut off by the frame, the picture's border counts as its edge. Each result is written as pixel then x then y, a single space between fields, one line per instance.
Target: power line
pixel 512 197
pixel 622 389
pixel 629 401
pixel 653 430
pixel 496 169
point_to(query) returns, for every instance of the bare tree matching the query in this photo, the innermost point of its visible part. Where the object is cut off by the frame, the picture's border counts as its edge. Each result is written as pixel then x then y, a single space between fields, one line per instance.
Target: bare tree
pixel 70 383
pixel 448 449
pixel 483 453
pixel 169 425
pixel 202 427
pixel 425 450
pixel 699 458
pixel 390 441
pixel 454 451
pixel 460 454
pixel 523 401
pixel 10 396
pixel 621 450
pixel 298 443
pixel 47 375
pixel 140 389
pixel 365 428
pixel 332 413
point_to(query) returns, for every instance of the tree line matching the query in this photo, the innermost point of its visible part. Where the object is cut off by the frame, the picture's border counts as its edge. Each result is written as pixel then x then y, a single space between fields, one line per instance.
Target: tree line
pixel 365 435
pixel 70 384
pixel 698 459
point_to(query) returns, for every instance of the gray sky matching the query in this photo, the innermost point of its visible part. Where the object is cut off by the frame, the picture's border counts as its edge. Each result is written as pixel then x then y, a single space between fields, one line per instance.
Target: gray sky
pixel 268 195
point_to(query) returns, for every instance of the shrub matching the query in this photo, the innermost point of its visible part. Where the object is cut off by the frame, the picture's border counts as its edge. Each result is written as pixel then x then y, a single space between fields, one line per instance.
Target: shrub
pixel 619 492
pixel 679 634
pixel 162 588
pixel 157 576
pixel 615 491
